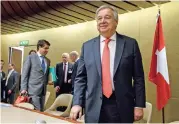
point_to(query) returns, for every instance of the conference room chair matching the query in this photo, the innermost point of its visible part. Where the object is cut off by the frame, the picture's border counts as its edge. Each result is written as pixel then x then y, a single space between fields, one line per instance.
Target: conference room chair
pixel 25 105
pixel 46 97
pixel 61 100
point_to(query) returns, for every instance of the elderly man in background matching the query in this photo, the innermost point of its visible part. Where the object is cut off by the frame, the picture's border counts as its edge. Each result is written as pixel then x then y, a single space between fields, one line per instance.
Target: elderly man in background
pixel 74 56
pixel 63 72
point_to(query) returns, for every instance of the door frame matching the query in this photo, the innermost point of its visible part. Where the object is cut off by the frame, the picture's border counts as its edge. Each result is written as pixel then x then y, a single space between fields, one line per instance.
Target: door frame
pixel 21 48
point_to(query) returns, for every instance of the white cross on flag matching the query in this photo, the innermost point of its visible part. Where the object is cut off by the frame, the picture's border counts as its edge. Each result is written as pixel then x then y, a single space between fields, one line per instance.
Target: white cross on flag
pixel 158 69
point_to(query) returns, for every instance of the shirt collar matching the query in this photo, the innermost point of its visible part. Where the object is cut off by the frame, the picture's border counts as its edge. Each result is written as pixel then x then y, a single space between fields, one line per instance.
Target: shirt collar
pixel 66 63
pixel 11 70
pixel 76 60
pixel 113 37
pixel 40 54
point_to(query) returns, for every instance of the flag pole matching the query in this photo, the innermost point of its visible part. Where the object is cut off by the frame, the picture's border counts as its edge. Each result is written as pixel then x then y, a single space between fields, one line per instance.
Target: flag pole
pixel 163 109
pixel 163 115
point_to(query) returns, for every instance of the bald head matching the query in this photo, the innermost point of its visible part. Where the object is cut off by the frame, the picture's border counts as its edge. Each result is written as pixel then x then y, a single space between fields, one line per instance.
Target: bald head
pixel 74 56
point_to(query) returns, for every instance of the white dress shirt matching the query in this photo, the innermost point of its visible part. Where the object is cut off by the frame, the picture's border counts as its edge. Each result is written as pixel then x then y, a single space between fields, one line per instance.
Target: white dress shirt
pixel 65 77
pixel 77 59
pixel 41 61
pixel 112 49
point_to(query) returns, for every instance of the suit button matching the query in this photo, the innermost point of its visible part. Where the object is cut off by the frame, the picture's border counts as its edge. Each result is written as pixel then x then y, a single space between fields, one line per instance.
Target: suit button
pixel 101 97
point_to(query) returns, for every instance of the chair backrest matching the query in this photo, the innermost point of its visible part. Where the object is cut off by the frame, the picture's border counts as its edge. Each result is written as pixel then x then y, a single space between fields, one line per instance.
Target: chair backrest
pixel 47 97
pixel 147 112
pixel 25 105
pixel 62 100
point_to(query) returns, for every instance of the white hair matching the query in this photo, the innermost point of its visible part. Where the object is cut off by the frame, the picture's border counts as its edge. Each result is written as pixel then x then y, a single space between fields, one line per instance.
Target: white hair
pixel 75 53
pixel 115 13
pixel 65 54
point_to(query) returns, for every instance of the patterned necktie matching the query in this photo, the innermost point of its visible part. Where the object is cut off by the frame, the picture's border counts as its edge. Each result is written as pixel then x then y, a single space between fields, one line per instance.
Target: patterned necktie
pixel 43 64
pixel 106 76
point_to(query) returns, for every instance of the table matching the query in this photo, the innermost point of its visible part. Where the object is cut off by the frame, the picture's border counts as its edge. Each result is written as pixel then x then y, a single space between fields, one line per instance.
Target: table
pixel 16 115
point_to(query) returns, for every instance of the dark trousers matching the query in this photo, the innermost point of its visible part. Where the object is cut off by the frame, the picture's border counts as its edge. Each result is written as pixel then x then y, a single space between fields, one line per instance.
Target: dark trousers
pixel 9 98
pixel 65 88
pixel 109 111
pixel 2 90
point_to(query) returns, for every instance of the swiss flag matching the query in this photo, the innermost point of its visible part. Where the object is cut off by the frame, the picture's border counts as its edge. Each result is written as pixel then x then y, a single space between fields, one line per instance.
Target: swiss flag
pixel 158 69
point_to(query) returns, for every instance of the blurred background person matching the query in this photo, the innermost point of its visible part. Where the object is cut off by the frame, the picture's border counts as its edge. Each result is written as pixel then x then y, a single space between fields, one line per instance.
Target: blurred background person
pixel 12 83
pixel 3 81
pixel 63 83
pixel 63 72
pixel 74 56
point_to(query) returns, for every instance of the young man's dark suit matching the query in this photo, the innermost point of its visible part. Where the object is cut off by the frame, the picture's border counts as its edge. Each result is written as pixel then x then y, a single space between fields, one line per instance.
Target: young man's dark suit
pixel 64 87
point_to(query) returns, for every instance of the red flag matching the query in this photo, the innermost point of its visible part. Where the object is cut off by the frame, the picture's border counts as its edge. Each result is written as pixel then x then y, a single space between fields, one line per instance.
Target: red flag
pixel 158 69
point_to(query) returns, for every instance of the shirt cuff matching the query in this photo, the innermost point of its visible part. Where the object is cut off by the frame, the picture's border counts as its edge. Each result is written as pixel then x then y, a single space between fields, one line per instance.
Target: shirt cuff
pixel 139 107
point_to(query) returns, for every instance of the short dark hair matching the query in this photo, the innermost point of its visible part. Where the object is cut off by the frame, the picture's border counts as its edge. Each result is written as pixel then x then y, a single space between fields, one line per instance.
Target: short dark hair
pixel 31 51
pixel 41 43
pixel 12 64
pixel 2 60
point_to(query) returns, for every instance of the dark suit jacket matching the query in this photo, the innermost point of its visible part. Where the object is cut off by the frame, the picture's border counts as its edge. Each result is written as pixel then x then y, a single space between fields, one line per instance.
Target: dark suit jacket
pixel 60 73
pixel 75 66
pixel 127 67
pixel 13 82
pixel 3 81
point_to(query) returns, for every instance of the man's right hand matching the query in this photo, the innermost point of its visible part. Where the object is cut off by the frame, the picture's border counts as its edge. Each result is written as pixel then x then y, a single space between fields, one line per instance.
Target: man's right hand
pixel 76 111
pixel 23 92
pixel 57 88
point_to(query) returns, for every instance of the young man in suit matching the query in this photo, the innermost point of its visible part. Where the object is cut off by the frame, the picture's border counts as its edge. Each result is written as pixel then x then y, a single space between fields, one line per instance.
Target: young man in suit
pixel 63 72
pixel 34 77
pixel 12 83
pixel 74 58
pixel 108 65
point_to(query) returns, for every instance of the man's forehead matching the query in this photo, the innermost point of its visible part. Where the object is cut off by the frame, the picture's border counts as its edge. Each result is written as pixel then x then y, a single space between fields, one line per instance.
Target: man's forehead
pixel 64 55
pixel 105 14
pixel 104 10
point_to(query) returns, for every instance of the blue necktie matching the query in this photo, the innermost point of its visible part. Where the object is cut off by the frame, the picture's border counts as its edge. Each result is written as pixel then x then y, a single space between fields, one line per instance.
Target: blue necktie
pixel 43 64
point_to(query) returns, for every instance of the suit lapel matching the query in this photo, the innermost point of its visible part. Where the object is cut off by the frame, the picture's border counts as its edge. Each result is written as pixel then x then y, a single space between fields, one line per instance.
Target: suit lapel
pixel 48 64
pixel 61 68
pixel 119 50
pixel 96 52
